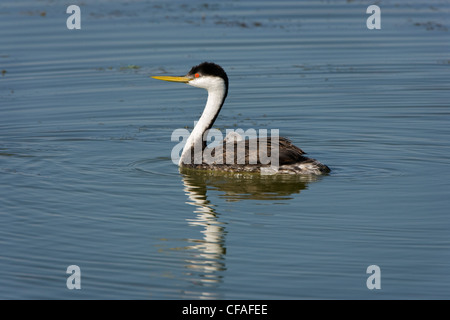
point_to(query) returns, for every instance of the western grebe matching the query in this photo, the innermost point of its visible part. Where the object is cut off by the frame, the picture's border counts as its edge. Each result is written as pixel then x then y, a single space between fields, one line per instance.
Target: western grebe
pixel 212 77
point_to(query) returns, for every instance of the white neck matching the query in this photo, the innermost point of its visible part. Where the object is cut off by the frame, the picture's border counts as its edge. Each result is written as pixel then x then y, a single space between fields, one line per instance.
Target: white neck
pixel 216 94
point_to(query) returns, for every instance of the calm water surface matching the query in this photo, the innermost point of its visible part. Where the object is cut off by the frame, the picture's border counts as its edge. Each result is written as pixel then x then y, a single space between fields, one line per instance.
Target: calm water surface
pixel 85 144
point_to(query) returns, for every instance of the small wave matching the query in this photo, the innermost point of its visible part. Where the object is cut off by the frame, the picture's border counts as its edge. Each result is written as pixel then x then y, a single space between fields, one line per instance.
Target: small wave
pixel 161 166
pixel 365 171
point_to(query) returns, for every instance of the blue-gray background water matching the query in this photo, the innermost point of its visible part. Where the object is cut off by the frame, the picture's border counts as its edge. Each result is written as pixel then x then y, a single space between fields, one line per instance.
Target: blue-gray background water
pixel 85 150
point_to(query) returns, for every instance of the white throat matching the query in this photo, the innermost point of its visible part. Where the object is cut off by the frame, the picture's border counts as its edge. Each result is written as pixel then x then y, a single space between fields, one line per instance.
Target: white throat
pixel 216 93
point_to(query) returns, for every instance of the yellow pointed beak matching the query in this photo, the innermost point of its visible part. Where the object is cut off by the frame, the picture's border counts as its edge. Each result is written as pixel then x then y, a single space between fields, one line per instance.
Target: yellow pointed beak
pixel 173 79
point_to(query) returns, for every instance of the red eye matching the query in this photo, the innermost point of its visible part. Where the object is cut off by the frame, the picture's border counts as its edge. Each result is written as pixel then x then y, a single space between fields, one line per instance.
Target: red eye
pixel 196 75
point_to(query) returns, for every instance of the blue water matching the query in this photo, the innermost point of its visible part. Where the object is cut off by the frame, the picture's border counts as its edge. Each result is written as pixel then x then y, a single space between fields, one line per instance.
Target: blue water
pixel 85 151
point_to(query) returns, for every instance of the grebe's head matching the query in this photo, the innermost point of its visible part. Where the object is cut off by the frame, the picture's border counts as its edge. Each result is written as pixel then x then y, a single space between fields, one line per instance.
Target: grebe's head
pixel 206 75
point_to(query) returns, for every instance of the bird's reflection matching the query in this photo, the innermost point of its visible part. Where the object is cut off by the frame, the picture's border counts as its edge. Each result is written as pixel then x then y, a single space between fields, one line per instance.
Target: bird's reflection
pixel 207 255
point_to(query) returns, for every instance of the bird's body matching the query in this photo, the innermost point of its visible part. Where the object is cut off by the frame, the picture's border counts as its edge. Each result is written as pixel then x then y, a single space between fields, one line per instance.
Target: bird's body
pixel 236 154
